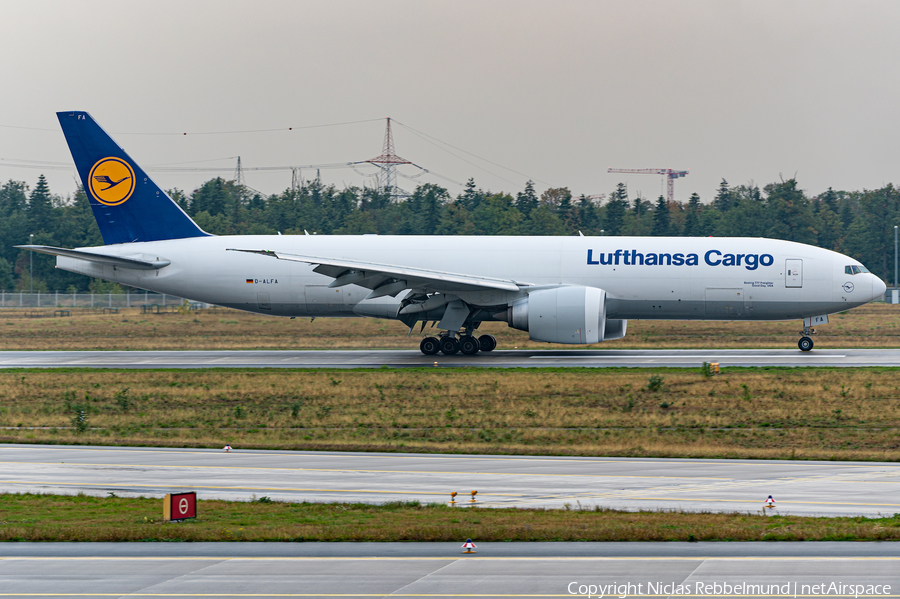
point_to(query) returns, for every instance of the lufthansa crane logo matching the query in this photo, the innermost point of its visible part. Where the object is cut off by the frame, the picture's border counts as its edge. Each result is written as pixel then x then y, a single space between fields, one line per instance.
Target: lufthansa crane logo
pixel 848 287
pixel 111 181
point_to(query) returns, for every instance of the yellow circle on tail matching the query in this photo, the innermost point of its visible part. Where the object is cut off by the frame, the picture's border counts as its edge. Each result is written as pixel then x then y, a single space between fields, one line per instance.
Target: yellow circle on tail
pixel 111 181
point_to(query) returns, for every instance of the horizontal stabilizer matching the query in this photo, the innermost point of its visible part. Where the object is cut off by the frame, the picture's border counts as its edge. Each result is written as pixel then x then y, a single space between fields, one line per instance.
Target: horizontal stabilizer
pixel 118 261
pixel 415 277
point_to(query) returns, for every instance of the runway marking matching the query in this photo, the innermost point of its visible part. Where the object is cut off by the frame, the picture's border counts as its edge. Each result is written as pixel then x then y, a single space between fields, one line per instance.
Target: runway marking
pixel 469 472
pixel 456 558
pixel 624 495
pixel 162 486
pixel 757 501
pixel 689 358
pixel 407 558
pixel 523 458
pixel 363 471
pixel 387 594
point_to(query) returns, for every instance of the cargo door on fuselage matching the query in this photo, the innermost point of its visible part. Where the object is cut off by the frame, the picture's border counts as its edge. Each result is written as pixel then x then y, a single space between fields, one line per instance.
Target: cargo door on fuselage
pixel 793 273
pixel 724 302
pixel 263 301
pixel 321 299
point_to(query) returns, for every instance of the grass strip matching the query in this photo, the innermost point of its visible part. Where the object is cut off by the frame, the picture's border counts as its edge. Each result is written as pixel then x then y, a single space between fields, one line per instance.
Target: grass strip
pixel 29 517
pixel 871 326
pixel 766 413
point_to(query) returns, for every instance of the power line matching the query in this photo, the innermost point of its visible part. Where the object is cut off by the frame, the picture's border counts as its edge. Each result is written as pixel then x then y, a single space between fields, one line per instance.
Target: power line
pixel 172 167
pixel 38 164
pixel 424 136
pixel 448 179
pixel 183 133
pixel 467 161
pixel 431 137
pixel 255 130
pixel 224 169
pixel 194 161
pixel 29 128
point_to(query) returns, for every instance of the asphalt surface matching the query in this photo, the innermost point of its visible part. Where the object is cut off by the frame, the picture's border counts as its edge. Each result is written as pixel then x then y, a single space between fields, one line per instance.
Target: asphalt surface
pixel 230 570
pixel 799 487
pixel 677 358
pixel 788 549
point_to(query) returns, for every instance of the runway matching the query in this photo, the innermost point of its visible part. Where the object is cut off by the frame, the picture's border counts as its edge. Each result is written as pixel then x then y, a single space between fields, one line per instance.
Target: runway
pixel 673 358
pixel 818 550
pixel 480 575
pixel 799 487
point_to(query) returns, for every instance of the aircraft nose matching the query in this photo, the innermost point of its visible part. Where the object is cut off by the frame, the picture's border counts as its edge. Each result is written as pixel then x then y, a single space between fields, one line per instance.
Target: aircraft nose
pixel 878 287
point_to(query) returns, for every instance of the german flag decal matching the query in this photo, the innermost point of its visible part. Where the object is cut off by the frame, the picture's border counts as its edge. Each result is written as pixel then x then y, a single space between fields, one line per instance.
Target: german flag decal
pixel 249 280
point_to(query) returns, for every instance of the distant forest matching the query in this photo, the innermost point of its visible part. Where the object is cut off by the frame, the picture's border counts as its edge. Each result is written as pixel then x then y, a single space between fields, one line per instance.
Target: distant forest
pixel 857 223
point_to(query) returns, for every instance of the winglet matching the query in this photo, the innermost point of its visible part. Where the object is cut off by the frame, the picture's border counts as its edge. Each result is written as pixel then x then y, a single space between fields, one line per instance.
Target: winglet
pixel 127 204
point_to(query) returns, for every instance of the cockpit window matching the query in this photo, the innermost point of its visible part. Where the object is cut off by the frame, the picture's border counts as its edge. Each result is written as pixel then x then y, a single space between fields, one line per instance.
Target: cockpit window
pixel 854 270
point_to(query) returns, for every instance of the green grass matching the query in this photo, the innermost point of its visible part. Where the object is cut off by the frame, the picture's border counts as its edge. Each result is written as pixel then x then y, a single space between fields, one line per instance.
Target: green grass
pixel 30 517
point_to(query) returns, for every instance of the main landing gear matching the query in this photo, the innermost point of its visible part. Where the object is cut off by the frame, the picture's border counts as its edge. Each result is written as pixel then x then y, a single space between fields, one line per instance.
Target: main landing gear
pixel 451 343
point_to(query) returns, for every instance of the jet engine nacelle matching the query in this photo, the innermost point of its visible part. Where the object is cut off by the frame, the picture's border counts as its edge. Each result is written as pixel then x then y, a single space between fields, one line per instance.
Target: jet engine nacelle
pixel 574 315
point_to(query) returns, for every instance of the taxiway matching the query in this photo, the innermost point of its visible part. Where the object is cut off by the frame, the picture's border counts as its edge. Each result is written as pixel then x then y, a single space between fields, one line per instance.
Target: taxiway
pixel 799 487
pixel 438 570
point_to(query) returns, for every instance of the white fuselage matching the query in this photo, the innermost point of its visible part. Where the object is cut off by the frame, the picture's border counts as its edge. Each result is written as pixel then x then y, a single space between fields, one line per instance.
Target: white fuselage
pixel 644 277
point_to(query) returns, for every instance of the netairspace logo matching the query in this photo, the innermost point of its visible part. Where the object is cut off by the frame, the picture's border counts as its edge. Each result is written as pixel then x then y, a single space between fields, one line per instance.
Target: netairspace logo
pixel 721 589
pixel 710 258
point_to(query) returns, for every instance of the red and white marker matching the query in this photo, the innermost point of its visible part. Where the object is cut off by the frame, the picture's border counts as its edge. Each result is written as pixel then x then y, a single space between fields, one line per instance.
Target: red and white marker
pixel 770 501
pixel 227 448
pixel 469 546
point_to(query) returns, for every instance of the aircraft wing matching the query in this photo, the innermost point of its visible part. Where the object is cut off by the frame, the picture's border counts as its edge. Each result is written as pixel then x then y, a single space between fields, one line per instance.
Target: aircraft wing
pixel 391 279
pixel 99 258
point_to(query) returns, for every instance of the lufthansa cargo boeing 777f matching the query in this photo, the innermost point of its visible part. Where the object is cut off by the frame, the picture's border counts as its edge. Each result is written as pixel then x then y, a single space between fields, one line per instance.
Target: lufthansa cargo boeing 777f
pixel 573 290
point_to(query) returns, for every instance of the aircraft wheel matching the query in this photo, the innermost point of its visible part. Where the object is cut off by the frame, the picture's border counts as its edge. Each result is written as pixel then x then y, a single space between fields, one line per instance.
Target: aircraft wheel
pixel 469 345
pixel 487 342
pixel 449 346
pixel 430 346
pixel 805 344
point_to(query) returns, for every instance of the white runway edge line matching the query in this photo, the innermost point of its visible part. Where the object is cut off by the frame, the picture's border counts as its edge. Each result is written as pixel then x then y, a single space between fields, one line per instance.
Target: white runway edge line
pixel 678 356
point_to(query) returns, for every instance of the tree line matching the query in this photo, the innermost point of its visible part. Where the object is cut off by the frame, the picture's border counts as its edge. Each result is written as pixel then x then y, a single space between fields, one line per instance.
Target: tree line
pixel 857 223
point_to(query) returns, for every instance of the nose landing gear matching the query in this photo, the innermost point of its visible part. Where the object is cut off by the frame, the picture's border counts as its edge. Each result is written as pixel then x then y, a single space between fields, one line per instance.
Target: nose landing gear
pixel 806 342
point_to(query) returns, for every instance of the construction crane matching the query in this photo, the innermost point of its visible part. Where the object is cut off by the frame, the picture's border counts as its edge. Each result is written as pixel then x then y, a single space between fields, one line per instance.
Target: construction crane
pixel 671 175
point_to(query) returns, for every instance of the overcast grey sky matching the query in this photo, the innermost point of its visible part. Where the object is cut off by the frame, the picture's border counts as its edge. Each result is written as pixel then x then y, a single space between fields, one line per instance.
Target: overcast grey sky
pixel 555 91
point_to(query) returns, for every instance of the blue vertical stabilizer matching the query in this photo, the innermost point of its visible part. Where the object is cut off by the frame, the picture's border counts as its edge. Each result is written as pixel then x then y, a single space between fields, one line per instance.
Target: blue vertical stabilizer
pixel 127 204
